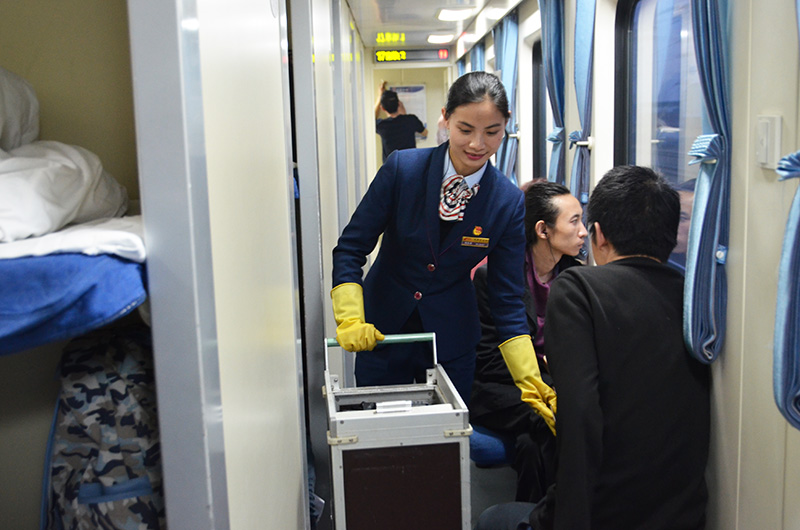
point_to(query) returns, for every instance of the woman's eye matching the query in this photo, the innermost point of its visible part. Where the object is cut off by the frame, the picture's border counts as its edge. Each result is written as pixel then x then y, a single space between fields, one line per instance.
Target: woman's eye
pixel 464 131
pixel 492 133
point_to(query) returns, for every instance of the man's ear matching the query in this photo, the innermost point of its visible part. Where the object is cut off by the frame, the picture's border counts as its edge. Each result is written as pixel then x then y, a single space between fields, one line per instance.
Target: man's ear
pixel 599 237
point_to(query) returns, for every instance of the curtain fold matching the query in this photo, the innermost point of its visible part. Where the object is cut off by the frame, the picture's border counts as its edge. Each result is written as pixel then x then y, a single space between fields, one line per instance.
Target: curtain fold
pixel 584 52
pixel 477 57
pixel 506 46
pixel 462 66
pixel 786 346
pixel 786 353
pixel 706 286
pixel 552 16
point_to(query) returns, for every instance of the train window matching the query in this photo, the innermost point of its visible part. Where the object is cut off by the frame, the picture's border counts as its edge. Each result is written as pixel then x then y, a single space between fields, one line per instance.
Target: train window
pixel 660 111
pixel 665 104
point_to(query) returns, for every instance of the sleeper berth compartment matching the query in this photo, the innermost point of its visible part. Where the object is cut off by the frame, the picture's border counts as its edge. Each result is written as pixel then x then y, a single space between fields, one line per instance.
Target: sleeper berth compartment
pixel 72 253
pixel 123 81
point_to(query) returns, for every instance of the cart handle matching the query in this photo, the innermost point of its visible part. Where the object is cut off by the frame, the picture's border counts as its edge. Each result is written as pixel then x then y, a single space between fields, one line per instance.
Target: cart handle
pixel 391 339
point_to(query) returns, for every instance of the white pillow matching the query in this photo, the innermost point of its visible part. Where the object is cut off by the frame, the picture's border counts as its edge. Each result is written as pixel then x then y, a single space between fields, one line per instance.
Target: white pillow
pixel 46 185
pixel 19 111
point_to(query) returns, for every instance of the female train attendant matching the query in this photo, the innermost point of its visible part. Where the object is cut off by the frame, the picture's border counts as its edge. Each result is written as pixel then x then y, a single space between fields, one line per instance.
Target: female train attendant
pixel 554 233
pixel 440 211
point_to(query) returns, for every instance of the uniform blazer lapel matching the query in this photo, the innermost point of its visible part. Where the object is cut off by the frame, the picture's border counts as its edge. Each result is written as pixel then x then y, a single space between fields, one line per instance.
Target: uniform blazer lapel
pixel 432 191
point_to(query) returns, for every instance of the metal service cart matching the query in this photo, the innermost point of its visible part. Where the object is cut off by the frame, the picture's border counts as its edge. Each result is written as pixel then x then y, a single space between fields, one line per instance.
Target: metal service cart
pixel 399 453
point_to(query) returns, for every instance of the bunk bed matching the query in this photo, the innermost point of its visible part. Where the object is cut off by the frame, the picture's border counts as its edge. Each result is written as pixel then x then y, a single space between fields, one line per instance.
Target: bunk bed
pixel 87 281
pixel 70 261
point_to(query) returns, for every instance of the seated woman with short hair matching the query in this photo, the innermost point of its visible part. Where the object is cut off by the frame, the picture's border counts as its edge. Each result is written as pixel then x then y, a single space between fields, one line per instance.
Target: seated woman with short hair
pixel 554 233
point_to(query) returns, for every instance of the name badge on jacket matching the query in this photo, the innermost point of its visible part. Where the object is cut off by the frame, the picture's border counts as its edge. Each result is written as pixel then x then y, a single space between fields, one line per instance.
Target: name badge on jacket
pixel 478 242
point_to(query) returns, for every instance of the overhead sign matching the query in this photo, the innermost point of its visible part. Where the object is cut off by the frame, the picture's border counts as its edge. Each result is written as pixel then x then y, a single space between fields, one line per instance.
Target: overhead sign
pixel 390 38
pixel 392 56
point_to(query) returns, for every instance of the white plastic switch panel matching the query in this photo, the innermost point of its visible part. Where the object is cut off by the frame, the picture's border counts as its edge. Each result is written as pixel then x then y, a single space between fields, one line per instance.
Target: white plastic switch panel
pixel 768 141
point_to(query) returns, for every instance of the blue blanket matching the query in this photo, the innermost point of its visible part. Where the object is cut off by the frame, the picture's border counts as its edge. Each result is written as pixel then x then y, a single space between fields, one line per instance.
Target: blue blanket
pixel 59 296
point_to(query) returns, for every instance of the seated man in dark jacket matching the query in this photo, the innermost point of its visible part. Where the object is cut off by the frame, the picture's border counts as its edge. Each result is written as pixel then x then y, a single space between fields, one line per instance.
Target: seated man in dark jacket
pixel 633 406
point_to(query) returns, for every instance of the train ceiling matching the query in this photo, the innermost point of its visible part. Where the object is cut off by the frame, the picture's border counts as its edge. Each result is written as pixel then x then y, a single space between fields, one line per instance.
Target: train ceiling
pixel 410 23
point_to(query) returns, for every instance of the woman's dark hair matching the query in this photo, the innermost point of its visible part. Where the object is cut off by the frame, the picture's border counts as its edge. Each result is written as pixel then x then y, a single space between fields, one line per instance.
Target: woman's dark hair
pixel 539 206
pixel 474 87
pixel 638 212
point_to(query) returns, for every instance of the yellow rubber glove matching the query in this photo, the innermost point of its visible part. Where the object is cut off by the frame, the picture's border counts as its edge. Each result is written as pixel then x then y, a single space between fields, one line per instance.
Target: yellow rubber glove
pixel 352 333
pixel 521 361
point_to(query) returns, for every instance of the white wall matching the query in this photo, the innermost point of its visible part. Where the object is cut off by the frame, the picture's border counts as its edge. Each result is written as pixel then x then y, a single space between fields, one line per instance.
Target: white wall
pixel 756 455
pixel 245 107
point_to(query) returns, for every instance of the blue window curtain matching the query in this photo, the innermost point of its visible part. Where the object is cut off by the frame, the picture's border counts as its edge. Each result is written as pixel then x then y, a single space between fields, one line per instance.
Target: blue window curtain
pixel 477 57
pixel 705 291
pixel 584 51
pixel 552 15
pixel 506 46
pixel 462 66
pixel 786 352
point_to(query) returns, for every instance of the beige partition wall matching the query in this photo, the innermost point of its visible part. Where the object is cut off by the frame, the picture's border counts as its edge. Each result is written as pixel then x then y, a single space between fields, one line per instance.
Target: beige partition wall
pixel 211 94
pixel 755 452
pixel 251 201
pixel 76 55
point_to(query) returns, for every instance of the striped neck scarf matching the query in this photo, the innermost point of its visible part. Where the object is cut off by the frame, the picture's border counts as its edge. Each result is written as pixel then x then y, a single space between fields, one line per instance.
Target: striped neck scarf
pixel 454 196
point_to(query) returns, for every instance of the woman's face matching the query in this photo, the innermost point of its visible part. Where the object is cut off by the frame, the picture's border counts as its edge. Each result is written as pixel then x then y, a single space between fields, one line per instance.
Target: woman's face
pixel 476 132
pixel 568 234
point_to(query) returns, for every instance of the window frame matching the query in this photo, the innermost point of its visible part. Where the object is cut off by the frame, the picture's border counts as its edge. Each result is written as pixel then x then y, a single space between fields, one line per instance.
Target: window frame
pixel 624 60
pixel 540 106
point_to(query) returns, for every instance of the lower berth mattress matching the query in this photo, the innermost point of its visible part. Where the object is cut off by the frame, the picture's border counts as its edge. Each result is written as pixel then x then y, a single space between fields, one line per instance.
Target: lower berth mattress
pixel 60 296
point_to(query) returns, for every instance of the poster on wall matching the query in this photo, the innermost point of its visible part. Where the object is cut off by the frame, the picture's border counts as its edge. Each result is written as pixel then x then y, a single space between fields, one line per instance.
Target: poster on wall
pixel 413 98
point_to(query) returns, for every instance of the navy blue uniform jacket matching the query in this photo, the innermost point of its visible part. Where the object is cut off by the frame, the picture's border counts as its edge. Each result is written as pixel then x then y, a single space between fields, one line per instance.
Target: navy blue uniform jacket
pixel 413 270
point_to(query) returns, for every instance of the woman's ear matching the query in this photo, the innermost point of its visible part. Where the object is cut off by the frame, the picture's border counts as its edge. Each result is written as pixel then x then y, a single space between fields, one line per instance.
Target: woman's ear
pixel 541 229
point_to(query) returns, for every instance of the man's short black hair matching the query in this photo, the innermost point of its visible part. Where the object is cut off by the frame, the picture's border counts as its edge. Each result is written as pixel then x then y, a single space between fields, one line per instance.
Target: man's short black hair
pixel 638 212
pixel 389 101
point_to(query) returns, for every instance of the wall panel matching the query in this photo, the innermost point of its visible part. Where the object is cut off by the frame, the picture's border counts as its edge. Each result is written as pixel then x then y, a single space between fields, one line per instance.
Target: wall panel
pixel 251 201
